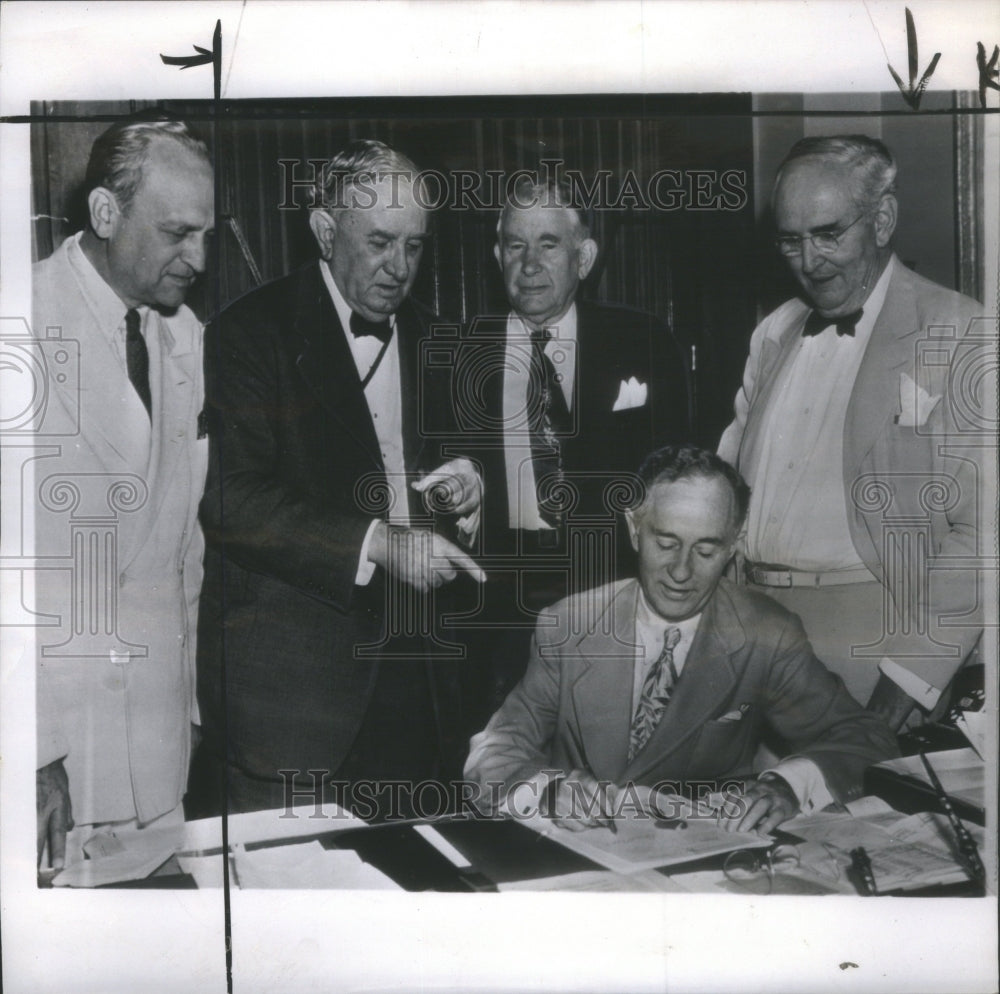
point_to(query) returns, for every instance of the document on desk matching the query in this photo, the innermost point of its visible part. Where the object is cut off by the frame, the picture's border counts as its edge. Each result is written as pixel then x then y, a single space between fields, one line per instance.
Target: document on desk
pixel 920 852
pixel 906 851
pixel 642 843
pixel 864 823
pixel 117 857
pixel 307 866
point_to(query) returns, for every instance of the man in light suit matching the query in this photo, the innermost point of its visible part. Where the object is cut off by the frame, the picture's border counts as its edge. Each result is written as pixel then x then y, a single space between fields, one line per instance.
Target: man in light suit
pixel 674 677
pixel 315 659
pixel 115 679
pixel 862 443
pixel 573 394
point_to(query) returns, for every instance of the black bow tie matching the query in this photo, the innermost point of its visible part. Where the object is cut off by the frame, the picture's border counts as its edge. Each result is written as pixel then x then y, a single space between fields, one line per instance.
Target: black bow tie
pixel 816 323
pixel 361 326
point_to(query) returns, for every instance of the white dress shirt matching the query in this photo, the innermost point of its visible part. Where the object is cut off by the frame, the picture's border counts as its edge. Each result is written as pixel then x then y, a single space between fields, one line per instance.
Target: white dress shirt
pixel 798 513
pixel 522 496
pixel 384 397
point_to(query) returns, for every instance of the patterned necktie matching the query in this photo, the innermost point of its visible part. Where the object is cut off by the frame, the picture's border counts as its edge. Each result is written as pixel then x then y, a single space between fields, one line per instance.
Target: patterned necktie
pixel 816 323
pixel 656 689
pixel 137 359
pixel 548 414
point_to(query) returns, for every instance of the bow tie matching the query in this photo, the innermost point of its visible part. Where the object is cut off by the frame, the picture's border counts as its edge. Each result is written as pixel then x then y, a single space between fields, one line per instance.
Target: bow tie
pixel 361 326
pixel 816 323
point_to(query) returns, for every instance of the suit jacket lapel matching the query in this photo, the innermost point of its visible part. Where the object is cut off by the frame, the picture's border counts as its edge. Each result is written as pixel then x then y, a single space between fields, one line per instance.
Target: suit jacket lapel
pixel 173 361
pixel 326 363
pixel 774 354
pixel 104 400
pixel 602 692
pixel 875 396
pixel 706 679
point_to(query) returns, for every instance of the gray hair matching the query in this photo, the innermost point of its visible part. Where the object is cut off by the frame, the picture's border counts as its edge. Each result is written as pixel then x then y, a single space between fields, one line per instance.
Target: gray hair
pixel 119 155
pixel 363 161
pixel 871 160
pixel 687 461
pixel 530 191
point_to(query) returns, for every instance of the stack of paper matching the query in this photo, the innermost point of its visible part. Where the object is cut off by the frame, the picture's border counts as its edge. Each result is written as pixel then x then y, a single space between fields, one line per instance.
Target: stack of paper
pixel 116 857
pixel 921 852
pixel 305 866
pixel 906 851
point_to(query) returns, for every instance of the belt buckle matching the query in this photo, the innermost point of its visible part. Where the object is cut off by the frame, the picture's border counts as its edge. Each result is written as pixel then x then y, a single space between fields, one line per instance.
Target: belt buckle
pixel 765 577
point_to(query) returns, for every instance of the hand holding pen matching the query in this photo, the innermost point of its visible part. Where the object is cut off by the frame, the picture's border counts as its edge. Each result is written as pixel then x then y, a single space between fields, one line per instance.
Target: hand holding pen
pixel 578 801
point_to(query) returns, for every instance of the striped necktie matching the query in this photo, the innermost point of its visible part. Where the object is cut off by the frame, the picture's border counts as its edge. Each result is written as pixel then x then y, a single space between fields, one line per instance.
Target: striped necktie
pixel 656 689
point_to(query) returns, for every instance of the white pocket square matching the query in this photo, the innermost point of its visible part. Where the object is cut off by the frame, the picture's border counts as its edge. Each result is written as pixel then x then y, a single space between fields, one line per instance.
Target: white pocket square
pixel 631 394
pixel 915 403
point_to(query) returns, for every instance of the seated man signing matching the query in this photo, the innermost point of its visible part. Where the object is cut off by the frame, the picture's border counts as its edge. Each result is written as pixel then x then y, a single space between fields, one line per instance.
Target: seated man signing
pixel 673 677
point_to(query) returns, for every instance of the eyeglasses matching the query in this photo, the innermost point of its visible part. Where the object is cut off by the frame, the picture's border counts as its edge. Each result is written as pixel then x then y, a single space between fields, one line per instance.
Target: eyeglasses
pixel 755 872
pixel 825 242
pixel 752 872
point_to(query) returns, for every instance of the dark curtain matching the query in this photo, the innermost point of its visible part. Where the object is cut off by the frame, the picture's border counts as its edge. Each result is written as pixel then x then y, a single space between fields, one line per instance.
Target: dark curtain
pixel 691 265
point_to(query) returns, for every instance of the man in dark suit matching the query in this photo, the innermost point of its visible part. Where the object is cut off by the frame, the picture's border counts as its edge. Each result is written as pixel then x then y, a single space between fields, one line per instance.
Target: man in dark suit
pixel 673 677
pixel 322 566
pixel 571 395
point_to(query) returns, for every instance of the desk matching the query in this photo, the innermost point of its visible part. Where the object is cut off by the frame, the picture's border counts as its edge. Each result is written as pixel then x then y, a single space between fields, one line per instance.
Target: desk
pixel 468 855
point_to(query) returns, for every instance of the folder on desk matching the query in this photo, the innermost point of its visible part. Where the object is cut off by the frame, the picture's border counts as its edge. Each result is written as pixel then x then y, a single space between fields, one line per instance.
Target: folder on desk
pixel 904 784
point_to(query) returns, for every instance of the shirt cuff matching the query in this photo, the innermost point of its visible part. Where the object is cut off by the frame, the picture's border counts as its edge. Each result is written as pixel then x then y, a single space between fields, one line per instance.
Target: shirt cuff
pixel 366 568
pixel 923 693
pixel 807 782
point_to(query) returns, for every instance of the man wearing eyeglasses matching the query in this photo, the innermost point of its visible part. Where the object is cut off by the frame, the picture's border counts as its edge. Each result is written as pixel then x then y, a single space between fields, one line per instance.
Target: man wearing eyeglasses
pixel 850 430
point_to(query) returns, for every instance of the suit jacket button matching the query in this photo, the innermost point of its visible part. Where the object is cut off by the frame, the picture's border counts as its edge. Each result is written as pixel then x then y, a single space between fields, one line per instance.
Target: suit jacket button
pixel 121 580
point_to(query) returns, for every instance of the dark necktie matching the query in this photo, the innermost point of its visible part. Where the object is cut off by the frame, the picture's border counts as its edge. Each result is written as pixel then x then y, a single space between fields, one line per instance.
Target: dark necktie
pixel 361 326
pixel 845 325
pixel 656 690
pixel 137 359
pixel 547 414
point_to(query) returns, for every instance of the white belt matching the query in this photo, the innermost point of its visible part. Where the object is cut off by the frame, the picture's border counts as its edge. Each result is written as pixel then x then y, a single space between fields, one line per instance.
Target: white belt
pixel 769 575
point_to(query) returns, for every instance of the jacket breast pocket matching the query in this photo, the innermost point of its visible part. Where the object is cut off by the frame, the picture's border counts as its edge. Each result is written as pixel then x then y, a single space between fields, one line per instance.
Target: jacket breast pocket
pixel 723 746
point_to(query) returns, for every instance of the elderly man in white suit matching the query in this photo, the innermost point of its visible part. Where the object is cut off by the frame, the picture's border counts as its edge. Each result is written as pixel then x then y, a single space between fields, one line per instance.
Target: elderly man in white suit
pixel 861 439
pixel 120 491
